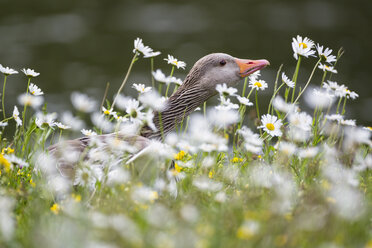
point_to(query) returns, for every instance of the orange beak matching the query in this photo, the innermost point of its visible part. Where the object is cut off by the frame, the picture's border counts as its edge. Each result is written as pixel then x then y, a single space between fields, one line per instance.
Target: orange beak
pixel 248 66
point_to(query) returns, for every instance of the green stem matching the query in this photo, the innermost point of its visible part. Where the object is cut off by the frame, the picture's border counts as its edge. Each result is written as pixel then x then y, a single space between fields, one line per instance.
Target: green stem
pixel 152 70
pixel 272 98
pixel 339 54
pixel 250 92
pixel 308 82
pixel 205 109
pixel 245 86
pixel 25 107
pixel 160 86
pixel 3 97
pixel 338 105
pixel 166 91
pixel 258 110
pixel 295 75
pixel 323 78
pixel 343 107
pixel 125 78
pixel 171 74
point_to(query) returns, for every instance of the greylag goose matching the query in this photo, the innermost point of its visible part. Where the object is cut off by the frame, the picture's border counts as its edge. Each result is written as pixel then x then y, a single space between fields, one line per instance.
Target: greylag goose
pixel 198 86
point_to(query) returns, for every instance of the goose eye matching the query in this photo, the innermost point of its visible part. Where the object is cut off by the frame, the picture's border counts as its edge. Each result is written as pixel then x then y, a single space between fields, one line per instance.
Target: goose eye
pixel 223 62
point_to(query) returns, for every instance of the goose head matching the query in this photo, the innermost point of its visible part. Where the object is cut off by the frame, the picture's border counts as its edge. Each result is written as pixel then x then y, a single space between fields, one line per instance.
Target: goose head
pixel 220 68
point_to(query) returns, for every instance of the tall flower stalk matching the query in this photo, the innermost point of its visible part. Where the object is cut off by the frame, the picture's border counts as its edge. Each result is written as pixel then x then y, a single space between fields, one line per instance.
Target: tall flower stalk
pixel 3 97
pixel 134 59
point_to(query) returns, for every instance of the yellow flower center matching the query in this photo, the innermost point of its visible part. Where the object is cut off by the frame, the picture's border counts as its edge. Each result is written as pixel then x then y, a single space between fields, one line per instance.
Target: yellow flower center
pixel 326 66
pixel 270 126
pixel 302 44
pixel 370 128
pixel 106 112
pixel 258 84
pixel 33 92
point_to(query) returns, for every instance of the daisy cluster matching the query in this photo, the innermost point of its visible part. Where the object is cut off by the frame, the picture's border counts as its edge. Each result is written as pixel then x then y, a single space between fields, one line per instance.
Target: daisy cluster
pixel 238 174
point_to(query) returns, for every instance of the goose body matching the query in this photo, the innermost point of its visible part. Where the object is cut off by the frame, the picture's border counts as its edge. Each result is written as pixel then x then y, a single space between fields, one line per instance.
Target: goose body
pixel 198 86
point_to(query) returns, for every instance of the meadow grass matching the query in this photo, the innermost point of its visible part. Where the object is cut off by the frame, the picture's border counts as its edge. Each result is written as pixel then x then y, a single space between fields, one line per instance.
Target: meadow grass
pixel 293 178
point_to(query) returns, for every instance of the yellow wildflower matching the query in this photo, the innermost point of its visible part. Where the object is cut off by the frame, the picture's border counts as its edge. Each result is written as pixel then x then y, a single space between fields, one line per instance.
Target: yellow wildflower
pixel 236 160
pixel 211 174
pixel 5 163
pixel 55 208
pixel 244 233
pixel 76 197
pixel 177 167
pixel 180 155
pixel 32 183
pixel 369 244
pixel 7 150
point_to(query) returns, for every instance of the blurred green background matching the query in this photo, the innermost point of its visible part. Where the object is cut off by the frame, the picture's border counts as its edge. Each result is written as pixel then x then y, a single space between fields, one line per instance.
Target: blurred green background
pixel 81 45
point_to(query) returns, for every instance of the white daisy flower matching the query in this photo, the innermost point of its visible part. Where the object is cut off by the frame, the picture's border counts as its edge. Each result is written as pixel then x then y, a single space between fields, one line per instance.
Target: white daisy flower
pixel 244 100
pixel 153 100
pixel 226 104
pixel 45 119
pixel 326 54
pixel 159 76
pixel 172 60
pixel 101 122
pixel 282 106
pixel 34 90
pixel 174 80
pixel 30 100
pixel 338 90
pixel 7 71
pixel 30 72
pixel 366 128
pixel 287 81
pixel 141 88
pixel 134 110
pixel 309 152
pixel 140 47
pixel 15 160
pixel 348 122
pixel 16 116
pixel 88 132
pixel 83 103
pixel 258 84
pixel 61 125
pixel 302 47
pixel 317 98
pixel 149 120
pixel 75 123
pixel 271 124
pixel 109 112
pixel 223 117
pixel 334 117
pixel 252 141
pixel 351 94
pixel 325 67
pixel 254 76
pixel 223 90
pixel 301 120
pixel 151 54
pixel 206 184
pixel 287 148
